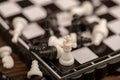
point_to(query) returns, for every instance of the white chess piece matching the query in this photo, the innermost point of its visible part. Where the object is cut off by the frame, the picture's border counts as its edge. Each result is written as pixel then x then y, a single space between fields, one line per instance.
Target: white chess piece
pixel 7 60
pixel 19 24
pixel 85 9
pixel 100 32
pixel 67 58
pixel 74 39
pixel 34 70
pixel 53 41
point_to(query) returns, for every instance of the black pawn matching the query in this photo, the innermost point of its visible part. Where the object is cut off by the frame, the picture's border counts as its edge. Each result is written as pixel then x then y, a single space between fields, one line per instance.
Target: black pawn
pixel 75 24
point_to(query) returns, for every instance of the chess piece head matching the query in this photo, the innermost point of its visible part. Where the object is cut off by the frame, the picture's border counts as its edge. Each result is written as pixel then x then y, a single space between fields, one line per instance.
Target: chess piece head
pixel 7 60
pixel 67 44
pixel 19 21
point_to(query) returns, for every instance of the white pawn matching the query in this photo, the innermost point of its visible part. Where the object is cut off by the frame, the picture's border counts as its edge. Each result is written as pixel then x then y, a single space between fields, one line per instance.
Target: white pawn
pixel 85 9
pixel 34 70
pixel 7 60
pixel 19 24
pixel 67 58
pixel 53 41
pixel 100 32
pixel 74 39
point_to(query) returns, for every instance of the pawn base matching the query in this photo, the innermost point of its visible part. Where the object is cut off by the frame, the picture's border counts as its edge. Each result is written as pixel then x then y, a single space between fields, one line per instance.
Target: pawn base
pixel 66 63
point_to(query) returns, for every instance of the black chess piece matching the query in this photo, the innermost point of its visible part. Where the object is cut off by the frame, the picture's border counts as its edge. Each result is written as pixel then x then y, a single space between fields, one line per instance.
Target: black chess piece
pixel 79 24
pixel 83 40
pixel 44 51
pixel 75 24
pixel 47 29
pixel 53 24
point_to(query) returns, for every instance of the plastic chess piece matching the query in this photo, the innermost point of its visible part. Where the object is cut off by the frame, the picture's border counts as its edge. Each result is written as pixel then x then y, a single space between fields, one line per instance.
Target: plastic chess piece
pixel 57 43
pixel 53 24
pixel 100 32
pixel 85 9
pixel 78 40
pixel 75 24
pixel 74 39
pixel 50 52
pixel 67 58
pixel 7 60
pixel 19 24
pixel 35 71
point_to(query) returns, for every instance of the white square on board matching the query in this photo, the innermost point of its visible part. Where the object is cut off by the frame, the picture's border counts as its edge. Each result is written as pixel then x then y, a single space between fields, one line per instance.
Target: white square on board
pixel 8 9
pixel 113 42
pixel 84 55
pixel 33 30
pixel 66 4
pixel 34 13
pixel 41 2
pixel 64 18
pixel 115 11
pixel 114 26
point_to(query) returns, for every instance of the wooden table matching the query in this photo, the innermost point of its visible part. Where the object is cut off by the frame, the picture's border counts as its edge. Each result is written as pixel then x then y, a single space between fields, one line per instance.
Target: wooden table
pixel 19 71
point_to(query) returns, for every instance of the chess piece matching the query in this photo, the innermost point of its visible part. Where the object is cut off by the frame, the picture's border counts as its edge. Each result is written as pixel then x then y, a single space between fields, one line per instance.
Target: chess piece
pixel 7 60
pixel 85 9
pixel 19 24
pixel 48 52
pixel 57 43
pixel 75 24
pixel 53 24
pixel 100 32
pixel 34 71
pixel 74 39
pixel 67 58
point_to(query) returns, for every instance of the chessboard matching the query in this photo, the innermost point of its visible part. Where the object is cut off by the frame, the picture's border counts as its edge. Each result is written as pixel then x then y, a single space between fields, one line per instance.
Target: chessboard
pixel 91 62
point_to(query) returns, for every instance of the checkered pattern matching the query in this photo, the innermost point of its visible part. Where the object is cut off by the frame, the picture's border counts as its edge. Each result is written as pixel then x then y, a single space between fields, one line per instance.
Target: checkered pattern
pixel 35 12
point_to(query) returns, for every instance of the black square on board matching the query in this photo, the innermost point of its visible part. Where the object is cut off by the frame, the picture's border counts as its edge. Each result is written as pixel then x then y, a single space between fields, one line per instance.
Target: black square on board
pixel 24 3
pixel 107 16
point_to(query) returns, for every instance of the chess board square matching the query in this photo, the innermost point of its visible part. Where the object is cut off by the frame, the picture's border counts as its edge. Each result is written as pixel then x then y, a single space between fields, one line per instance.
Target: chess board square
pixel 63 31
pixel 42 2
pixel 92 18
pixel 113 42
pixel 52 7
pixel 33 30
pixel 109 3
pixel 107 16
pixel 24 3
pixel 64 18
pixel 83 55
pixel 101 50
pixel 34 13
pixel 114 26
pixel 8 9
pixel 101 10
pixel 117 1
pixel 115 11
pixel 65 5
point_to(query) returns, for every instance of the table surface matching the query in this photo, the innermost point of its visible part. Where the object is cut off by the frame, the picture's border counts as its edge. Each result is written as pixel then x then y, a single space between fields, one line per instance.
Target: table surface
pixel 19 71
